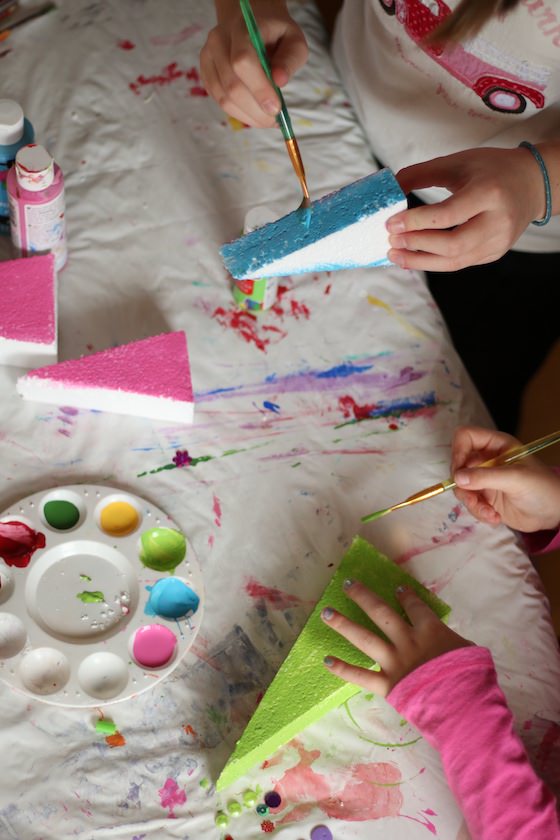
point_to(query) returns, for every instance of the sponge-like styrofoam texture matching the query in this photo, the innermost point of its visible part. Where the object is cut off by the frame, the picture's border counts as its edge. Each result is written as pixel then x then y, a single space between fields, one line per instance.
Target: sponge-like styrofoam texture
pixel 146 378
pixel 28 335
pixel 303 690
pixel 346 229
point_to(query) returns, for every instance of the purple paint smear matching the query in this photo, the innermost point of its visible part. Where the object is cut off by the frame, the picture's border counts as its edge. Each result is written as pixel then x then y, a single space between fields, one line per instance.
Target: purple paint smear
pixel 318 380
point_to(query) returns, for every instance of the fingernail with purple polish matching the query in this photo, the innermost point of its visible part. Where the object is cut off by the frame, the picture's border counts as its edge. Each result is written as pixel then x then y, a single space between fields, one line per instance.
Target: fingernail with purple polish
pixel 402 588
pixel 329 661
pixel 327 613
pixel 347 583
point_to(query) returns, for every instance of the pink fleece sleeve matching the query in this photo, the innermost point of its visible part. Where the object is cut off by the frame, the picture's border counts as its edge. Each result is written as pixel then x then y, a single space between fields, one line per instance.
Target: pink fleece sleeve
pixel 456 703
pixel 541 541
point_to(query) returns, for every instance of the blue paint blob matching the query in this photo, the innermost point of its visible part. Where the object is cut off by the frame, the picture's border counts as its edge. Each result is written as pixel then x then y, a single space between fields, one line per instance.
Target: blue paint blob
pixel 272 406
pixel 171 598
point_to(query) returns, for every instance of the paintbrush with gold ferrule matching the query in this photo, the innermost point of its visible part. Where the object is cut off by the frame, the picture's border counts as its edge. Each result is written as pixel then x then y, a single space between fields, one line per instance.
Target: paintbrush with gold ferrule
pixel 508 457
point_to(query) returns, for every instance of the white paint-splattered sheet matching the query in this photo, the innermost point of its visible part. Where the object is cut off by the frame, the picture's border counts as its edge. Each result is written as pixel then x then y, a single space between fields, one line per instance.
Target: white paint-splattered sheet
pixel 340 400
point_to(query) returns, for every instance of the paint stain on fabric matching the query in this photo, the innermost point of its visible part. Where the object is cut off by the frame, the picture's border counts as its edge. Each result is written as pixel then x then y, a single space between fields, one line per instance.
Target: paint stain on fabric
pixel 171 796
pixel 177 37
pixel 437 542
pixel 116 740
pixel 247 327
pixel 405 324
pixel 170 74
pixel 275 598
pixel 292 307
pixel 192 462
pixel 217 509
pixel 370 791
pixel 236 124
pixel 422 405
pixel 182 458
pixel 125 44
pixel 18 543
pixel 270 406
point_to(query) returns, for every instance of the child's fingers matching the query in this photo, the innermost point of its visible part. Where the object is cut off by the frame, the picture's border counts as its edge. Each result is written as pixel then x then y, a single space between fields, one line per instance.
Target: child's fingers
pixel 362 638
pixel 370 680
pixel 414 606
pixel 395 628
pixel 476 442
pixel 478 507
pixel 506 479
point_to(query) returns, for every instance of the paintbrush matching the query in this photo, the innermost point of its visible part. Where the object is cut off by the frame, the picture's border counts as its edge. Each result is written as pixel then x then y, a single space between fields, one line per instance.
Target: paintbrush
pixel 508 457
pixel 283 117
pixel 21 14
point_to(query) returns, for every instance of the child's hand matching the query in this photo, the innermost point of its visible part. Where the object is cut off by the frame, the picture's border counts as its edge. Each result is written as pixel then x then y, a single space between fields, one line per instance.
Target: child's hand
pixel 408 646
pixel 496 193
pixel 230 67
pixel 524 495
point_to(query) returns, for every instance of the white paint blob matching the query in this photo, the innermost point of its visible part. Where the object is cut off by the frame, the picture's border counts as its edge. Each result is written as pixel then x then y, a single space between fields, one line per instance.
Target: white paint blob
pixel 13 635
pixel 103 675
pixel 44 670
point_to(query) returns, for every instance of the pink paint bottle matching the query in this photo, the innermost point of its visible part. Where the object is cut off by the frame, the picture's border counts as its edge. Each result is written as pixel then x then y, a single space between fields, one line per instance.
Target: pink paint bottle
pixel 37 210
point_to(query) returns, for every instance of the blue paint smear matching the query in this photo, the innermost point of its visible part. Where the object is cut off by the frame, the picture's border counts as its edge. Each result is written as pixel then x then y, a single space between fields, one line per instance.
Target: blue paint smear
pixel 332 213
pixel 341 371
pixel 272 406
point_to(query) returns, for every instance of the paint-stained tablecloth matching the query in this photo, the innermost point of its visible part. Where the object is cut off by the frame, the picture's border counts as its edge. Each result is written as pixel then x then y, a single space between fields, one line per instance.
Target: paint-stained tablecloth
pixel 338 401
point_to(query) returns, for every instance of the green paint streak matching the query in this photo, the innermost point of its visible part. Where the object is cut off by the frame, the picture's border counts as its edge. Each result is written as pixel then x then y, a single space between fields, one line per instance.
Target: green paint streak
pixel 106 727
pixel 351 716
pixel 297 464
pixel 200 460
pixel 85 577
pixel 383 744
pixel 215 716
pixel 91 597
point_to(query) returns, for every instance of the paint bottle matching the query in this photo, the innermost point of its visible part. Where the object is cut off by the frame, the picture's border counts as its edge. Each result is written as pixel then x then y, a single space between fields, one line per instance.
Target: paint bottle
pixel 256 295
pixel 15 131
pixel 36 199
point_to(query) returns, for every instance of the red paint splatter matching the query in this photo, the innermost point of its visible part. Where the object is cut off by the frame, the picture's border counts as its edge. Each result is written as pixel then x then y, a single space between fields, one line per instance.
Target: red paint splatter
pixel 393 426
pixel 327 290
pixel 245 325
pixel 170 796
pixel 169 74
pixel 18 542
pixel 296 308
pixel 189 730
pixel 115 740
pixel 125 44
pixel 217 508
pixel 274 597
pixel 267 826
pixel 350 407
pixel 299 309
pixel 182 458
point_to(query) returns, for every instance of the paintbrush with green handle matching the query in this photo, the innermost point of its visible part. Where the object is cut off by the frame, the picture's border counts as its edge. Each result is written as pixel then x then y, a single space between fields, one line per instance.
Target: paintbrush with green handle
pixel 283 117
pixel 508 457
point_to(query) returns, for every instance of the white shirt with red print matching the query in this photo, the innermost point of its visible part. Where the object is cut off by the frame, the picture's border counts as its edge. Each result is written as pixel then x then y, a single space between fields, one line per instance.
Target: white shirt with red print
pixel 418 102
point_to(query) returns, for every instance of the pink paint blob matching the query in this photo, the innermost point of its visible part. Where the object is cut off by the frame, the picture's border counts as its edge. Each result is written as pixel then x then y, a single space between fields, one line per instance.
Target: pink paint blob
pixel 18 542
pixel 217 508
pixel 170 796
pixel 153 645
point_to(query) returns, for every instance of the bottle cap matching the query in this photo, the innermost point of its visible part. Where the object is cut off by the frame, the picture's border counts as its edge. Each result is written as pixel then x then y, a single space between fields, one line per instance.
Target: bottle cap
pixel 34 168
pixel 11 122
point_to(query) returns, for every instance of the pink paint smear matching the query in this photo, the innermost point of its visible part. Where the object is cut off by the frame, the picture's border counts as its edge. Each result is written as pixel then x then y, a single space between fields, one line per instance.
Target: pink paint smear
pixel 275 598
pixel 170 74
pixel 170 796
pixel 217 508
pixel 371 791
pixel 177 37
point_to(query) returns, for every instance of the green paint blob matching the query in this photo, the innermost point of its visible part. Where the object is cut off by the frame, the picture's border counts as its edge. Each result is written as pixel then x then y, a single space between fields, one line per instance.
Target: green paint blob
pixel 249 798
pixel 106 727
pixel 85 577
pixel 162 549
pixel 91 597
pixel 222 820
pixel 61 514
pixel 204 783
pixel 234 808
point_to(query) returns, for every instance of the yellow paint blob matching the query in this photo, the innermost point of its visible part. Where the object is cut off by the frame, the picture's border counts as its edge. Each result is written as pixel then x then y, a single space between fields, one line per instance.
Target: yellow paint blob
pixel 119 519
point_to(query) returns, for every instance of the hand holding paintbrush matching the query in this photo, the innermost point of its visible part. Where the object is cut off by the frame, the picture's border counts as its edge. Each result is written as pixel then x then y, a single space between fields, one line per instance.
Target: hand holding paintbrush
pixel 525 497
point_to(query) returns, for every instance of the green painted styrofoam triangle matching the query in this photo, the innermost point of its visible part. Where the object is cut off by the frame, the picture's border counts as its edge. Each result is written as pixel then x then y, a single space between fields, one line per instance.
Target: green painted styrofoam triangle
pixel 303 690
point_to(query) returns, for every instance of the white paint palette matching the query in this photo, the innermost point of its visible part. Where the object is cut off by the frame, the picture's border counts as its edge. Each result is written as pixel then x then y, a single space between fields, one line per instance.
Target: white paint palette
pixel 101 595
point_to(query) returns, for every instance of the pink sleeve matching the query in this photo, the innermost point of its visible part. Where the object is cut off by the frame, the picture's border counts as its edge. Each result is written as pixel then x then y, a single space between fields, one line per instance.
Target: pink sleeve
pixel 456 703
pixel 541 541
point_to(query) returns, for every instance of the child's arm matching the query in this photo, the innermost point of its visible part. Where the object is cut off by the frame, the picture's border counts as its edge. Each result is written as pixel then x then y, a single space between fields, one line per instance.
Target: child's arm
pixel 230 68
pixel 524 495
pixel 447 687
pixel 496 194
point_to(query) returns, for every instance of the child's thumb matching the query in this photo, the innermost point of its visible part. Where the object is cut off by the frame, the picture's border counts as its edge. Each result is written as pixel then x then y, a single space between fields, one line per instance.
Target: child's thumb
pixel 504 479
